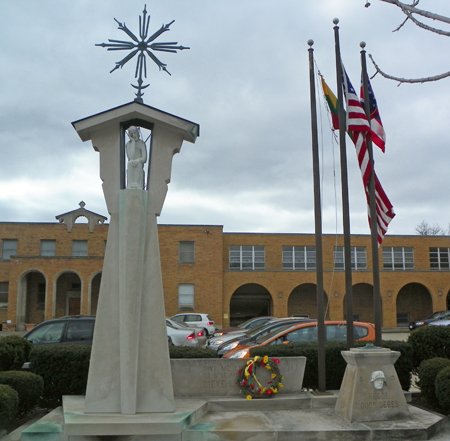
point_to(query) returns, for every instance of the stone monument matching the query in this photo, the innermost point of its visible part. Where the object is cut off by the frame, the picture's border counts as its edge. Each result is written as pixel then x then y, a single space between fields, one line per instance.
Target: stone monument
pixel 370 389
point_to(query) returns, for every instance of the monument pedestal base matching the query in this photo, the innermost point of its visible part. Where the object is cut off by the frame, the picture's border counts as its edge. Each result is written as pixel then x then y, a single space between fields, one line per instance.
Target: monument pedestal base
pixel 370 389
pixel 79 426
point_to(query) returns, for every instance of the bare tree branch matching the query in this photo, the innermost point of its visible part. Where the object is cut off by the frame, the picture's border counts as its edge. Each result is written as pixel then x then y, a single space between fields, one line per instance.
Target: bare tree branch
pixel 408 80
pixel 423 25
pixel 413 9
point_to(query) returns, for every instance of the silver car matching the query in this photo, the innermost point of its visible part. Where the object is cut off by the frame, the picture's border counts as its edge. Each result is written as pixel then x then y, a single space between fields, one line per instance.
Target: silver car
pixel 200 333
pixel 182 337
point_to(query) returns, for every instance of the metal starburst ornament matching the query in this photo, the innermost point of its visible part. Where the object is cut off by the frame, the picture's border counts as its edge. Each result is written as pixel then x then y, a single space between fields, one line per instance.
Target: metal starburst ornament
pixel 142 47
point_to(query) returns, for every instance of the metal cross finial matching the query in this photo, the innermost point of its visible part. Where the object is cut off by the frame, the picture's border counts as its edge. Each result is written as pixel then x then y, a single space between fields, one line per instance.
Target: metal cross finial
pixel 142 46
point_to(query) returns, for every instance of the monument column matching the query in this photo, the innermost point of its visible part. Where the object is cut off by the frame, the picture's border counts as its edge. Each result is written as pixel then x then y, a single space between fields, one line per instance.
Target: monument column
pixel 130 367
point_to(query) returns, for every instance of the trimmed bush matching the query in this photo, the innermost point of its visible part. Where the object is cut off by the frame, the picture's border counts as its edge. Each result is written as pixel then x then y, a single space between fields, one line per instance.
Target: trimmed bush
pixel 29 386
pixel 14 352
pixel 429 342
pixel 64 370
pixel 428 371
pixel 442 387
pixel 9 403
pixel 186 352
pixel 335 364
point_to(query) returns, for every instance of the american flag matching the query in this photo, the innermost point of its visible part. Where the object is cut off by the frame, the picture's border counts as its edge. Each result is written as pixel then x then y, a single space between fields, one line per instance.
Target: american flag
pixel 358 125
pixel 378 134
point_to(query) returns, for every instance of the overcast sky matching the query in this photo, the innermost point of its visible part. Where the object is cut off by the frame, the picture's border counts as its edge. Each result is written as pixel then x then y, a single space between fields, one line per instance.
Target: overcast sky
pixel 245 80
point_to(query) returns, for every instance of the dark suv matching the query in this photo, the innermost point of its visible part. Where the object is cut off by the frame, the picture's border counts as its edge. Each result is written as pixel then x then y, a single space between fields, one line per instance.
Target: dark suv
pixel 69 330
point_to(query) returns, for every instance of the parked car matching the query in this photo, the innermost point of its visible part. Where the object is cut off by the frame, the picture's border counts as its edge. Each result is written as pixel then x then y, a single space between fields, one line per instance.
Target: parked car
pixel 440 323
pixel 439 315
pixel 79 330
pixel 257 332
pixel 249 324
pixel 200 333
pixel 197 320
pixel 305 333
pixel 69 330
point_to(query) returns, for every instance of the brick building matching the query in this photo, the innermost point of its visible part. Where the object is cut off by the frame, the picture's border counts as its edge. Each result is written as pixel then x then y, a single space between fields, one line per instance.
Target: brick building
pixel 49 270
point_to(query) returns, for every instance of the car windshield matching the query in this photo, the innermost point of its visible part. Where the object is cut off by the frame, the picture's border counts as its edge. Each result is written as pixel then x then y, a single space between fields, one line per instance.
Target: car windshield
pixel 244 324
pixel 178 324
pixel 261 340
pixel 434 315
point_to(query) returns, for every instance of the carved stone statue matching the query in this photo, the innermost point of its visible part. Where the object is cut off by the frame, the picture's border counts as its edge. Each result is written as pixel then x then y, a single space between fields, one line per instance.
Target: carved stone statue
pixel 137 156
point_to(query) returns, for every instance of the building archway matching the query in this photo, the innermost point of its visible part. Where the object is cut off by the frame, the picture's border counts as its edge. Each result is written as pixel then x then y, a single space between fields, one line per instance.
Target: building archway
pixel 95 291
pixel 413 303
pixel 363 307
pixel 303 301
pixel 68 294
pixel 31 299
pixel 248 301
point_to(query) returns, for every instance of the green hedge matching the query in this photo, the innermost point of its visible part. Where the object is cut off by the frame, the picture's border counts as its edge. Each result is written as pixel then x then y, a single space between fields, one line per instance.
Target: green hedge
pixel 14 352
pixel 186 352
pixel 29 386
pixel 428 371
pixel 64 370
pixel 429 342
pixel 442 387
pixel 335 364
pixel 9 403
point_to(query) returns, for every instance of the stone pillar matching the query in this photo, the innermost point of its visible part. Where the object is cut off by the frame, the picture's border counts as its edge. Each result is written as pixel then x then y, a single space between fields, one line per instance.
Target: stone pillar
pixel 370 389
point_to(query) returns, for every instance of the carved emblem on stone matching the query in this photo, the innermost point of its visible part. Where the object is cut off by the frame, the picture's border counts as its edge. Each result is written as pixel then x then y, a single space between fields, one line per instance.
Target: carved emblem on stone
pixel 378 379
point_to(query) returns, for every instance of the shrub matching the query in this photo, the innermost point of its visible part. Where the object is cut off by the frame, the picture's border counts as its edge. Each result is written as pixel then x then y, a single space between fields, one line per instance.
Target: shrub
pixel 335 364
pixel 9 403
pixel 186 352
pixel 64 370
pixel 428 371
pixel 14 352
pixel 429 342
pixel 29 386
pixel 442 387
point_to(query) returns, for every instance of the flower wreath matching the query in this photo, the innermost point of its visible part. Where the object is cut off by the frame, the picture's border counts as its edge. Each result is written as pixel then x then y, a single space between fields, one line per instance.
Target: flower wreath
pixel 249 384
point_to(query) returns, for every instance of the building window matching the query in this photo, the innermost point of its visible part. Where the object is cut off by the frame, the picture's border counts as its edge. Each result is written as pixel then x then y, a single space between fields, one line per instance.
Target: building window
pixel 299 258
pixel 186 297
pixel 9 248
pixel 359 258
pixel 79 248
pixel 439 259
pixel 4 295
pixel 48 248
pixel 247 257
pixel 186 252
pixel 398 258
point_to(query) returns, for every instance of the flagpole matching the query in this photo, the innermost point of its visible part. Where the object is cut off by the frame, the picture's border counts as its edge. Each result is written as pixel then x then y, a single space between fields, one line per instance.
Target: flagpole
pixel 345 200
pixel 373 209
pixel 318 227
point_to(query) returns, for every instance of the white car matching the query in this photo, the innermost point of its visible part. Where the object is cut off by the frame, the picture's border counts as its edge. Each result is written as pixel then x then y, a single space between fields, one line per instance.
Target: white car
pixel 199 332
pixel 215 342
pixel 197 320
pixel 440 323
pixel 182 337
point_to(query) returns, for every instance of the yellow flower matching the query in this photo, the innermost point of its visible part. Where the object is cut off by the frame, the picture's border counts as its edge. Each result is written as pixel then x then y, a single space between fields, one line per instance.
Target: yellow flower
pixel 268 367
pixel 280 385
pixel 264 390
pixel 249 397
pixel 247 375
pixel 266 359
pixel 273 375
pixel 275 391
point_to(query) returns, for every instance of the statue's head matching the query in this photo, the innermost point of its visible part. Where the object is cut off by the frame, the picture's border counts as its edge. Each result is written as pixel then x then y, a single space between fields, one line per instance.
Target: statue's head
pixel 133 133
pixel 378 379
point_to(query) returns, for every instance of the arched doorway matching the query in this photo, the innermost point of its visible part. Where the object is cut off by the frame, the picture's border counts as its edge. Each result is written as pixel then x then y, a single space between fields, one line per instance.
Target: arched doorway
pixel 249 300
pixel 95 291
pixel 303 300
pixel 68 294
pixel 414 302
pixel 31 299
pixel 363 307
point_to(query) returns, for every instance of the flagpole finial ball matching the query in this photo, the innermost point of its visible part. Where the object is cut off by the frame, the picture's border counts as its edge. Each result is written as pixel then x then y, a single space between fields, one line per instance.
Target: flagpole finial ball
pixel 335 21
pixel 362 44
pixel 310 42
